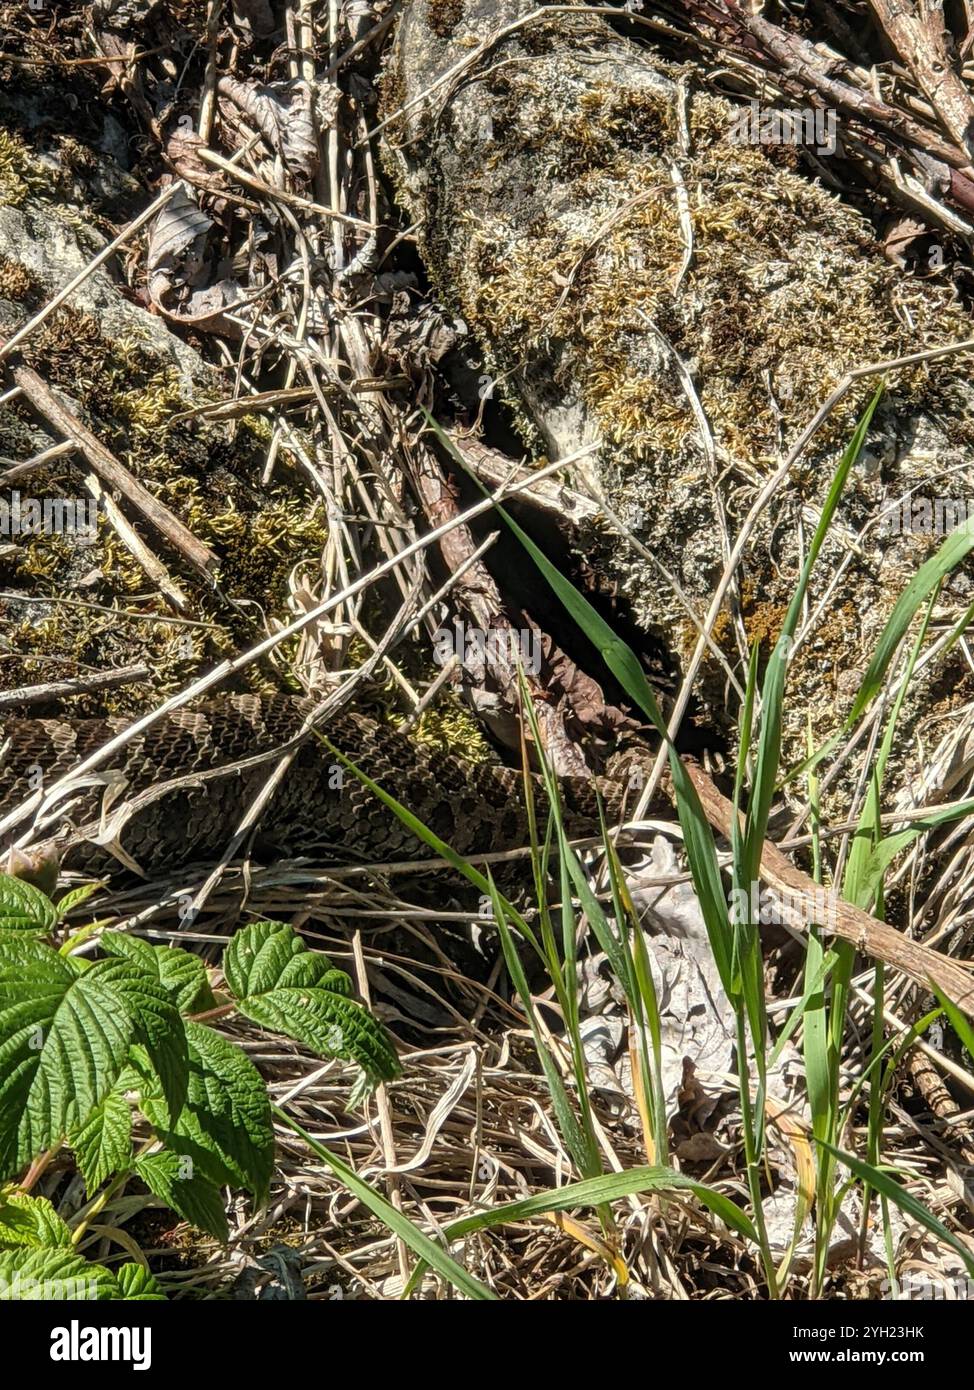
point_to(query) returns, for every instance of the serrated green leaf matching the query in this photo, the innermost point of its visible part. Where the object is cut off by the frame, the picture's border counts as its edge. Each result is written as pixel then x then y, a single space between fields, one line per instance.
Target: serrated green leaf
pixel 75 897
pixel 28 1221
pixel 103 1144
pixel 195 1198
pixel 184 975
pixel 136 1283
pixel 329 1024
pixel 20 946
pixel 64 1038
pixel 53 1276
pixel 24 907
pixel 178 971
pixel 271 955
pixel 159 1026
pixel 131 948
pixel 225 1125
pixel 282 985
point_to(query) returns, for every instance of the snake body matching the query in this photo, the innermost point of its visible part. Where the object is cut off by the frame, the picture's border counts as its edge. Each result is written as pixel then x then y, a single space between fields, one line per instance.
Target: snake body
pixel 319 809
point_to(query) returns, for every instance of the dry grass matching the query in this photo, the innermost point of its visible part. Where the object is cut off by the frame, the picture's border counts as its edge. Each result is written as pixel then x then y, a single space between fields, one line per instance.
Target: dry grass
pixel 471 1122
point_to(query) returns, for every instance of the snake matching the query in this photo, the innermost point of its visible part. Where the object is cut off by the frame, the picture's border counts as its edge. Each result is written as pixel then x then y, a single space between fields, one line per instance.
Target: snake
pixel 183 771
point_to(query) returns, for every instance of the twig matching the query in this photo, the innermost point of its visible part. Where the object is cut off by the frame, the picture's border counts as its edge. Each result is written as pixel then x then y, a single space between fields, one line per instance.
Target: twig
pixel 18 470
pixel 111 472
pixel 293 200
pixel 136 546
pixel 866 933
pixel 921 43
pixel 59 690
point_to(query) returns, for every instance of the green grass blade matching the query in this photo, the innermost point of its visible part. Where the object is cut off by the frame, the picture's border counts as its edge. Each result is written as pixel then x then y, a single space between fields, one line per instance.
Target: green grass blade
pixel 958 1022
pixel 418 1241
pixel 888 1187
pixel 954 549
pixel 624 665
pixel 581 1145
pixel 608 1187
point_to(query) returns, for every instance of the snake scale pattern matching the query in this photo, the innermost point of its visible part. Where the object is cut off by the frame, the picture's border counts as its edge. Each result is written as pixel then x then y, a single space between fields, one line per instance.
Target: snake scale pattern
pixel 319 809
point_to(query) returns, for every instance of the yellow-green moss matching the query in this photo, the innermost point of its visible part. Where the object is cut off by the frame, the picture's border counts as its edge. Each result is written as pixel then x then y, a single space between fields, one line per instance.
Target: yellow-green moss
pixel 128 396
pixel 18 283
pixel 450 727
pixel 21 175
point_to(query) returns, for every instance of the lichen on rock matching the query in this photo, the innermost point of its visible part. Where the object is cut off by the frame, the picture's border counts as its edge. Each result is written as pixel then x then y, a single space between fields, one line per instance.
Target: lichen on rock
pixel 639 279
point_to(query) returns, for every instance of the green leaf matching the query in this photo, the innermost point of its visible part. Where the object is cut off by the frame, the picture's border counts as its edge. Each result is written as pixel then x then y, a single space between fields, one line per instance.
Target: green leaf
pixel 16 946
pixel 45 1265
pixel 888 1187
pixel 103 1144
pixel 136 1283
pixel 568 1124
pixel 24 907
pixel 224 1127
pixel 158 1025
pixel 53 1275
pixel 75 897
pixel 954 549
pixel 28 1221
pixel 198 1201
pixel 64 1038
pixel 608 1187
pixel 181 973
pixel 268 955
pixel 282 985
pixel 184 975
pixel 959 1023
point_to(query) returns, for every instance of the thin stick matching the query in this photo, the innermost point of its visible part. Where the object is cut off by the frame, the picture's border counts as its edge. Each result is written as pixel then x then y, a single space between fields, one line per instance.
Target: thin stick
pixel 17 470
pixel 870 936
pixel 59 690
pixel 291 199
pixel 136 546
pixel 112 472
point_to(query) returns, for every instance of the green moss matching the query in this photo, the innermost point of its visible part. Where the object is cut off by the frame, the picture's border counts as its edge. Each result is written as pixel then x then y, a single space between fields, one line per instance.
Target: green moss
pixel 19 284
pixel 21 175
pixel 206 475
pixel 450 727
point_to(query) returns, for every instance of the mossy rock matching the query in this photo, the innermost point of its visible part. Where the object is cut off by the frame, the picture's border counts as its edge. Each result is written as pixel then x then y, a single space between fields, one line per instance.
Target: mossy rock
pixel 553 178
pixel 126 376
